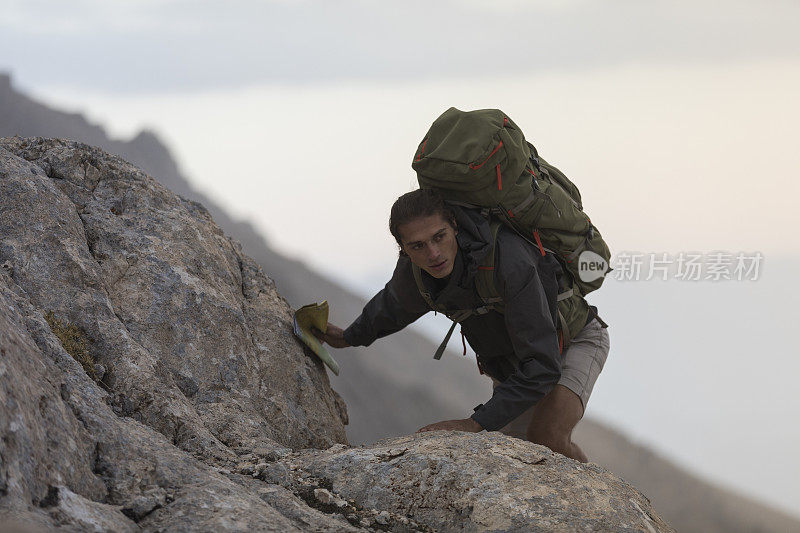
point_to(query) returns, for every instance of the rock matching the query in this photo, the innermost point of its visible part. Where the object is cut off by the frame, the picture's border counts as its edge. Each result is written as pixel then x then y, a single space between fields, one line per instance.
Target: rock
pixel 246 468
pixel 106 442
pixel 72 509
pixel 383 518
pixel 99 371
pixel 51 445
pixel 482 482
pixel 208 414
pixel 146 503
pixel 194 338
pixel 323 496
pixel 276 473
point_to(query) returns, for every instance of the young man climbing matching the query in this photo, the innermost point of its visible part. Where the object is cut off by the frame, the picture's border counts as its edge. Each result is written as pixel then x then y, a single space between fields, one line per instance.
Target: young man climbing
pixel 515 299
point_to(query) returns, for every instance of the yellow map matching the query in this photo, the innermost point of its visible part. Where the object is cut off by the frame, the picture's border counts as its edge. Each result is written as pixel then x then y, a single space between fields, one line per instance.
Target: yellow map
pixel 315 315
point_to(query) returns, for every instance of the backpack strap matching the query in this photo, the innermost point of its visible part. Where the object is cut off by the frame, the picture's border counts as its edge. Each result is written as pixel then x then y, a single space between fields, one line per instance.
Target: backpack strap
pixel 421 287
pixel 455 315
pixel 581 247
pixel 565 336
pixel 484 280
pixel 443 345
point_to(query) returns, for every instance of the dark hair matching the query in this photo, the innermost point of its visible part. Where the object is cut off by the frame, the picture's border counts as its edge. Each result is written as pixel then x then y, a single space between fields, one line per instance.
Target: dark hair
pixel 417 204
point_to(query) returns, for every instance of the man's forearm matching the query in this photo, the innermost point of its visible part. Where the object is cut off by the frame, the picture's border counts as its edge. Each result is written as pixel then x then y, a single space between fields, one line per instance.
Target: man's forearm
pixel 465 424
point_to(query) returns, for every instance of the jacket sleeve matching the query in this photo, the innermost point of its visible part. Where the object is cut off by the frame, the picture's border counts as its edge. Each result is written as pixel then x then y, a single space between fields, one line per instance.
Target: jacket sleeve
pixel 397 305
pixel 529 319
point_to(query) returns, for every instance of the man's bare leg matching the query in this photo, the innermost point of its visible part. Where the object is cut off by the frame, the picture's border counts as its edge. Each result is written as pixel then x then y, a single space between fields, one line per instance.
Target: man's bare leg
pixel 554 418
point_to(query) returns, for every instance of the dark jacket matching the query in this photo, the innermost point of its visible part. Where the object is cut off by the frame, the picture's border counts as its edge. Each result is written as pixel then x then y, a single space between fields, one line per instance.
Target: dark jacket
pixel 519 348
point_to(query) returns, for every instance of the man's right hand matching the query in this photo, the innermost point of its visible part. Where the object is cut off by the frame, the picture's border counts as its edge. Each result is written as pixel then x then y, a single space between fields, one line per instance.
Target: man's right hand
pixel 334 336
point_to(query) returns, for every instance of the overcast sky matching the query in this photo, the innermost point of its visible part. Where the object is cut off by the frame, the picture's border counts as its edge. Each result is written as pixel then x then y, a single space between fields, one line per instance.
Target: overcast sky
pixel 155 46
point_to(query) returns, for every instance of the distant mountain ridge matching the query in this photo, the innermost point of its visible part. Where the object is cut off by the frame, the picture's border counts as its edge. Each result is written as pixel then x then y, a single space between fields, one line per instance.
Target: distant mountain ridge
pixel 388 387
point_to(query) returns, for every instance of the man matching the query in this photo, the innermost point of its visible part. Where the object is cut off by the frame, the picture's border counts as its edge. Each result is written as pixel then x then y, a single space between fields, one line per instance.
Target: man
pixel 539 393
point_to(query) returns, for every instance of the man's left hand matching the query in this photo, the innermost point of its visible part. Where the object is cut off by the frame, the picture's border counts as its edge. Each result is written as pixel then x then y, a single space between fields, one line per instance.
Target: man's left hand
pixel 466 424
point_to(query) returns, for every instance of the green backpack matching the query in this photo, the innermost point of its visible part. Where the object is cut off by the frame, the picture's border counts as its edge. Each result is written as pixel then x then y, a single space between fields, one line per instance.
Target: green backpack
pixel 480 159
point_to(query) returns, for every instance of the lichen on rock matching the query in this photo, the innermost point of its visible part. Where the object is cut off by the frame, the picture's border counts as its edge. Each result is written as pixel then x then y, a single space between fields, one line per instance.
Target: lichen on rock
pixel 74 341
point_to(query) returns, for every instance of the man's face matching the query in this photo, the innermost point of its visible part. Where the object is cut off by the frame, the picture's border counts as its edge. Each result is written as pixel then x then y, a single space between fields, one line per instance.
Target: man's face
pixel 430 243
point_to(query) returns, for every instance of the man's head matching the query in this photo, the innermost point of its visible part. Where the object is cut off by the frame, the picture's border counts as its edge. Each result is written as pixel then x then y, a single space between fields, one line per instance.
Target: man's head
pixel 425 229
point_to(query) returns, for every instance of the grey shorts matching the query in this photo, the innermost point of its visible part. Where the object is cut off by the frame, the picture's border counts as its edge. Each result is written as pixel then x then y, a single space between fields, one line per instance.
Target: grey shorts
pixel 580 368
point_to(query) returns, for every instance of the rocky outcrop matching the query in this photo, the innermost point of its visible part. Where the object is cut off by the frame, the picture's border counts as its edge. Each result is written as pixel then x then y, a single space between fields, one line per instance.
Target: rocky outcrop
pixel 192 406
pixel 482 482
pixel 193 337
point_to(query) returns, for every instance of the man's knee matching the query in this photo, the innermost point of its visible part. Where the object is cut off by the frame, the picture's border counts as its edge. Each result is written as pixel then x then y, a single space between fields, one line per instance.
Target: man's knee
pixel 554 418
pixel 552 436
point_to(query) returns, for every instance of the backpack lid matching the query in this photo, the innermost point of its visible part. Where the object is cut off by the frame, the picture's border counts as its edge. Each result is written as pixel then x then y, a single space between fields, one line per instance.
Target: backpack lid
pixel 465 149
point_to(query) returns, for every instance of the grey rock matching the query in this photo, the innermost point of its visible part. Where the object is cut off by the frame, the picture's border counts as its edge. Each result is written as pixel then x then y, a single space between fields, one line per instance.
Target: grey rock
pixel 146 503
pixel 77 511
pixel 100 371
pixel 53 448
pixel 453 481
pixel 323 496
pixel 161 292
